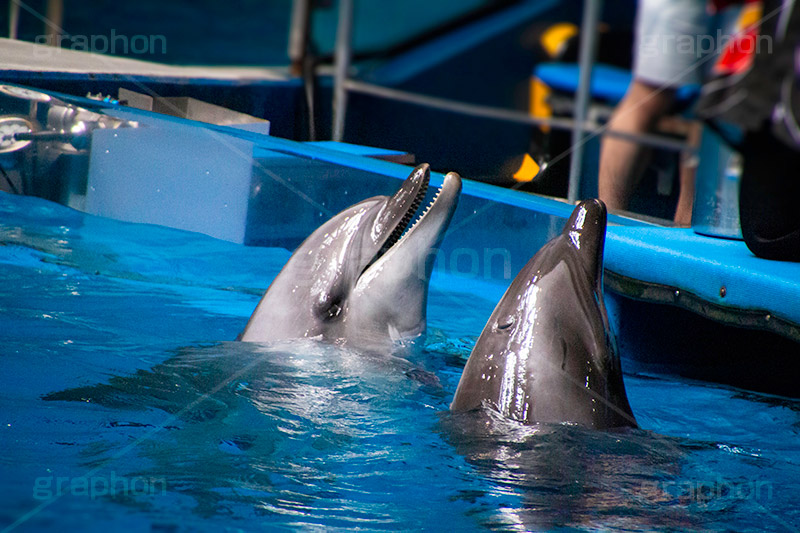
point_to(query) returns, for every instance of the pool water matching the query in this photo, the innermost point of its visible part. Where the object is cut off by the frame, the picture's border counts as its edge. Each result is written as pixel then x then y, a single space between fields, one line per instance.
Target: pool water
pixel 125 404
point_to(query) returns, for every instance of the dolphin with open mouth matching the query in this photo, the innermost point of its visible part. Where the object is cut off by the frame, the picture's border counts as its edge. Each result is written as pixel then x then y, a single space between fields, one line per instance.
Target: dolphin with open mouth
pixel 547 353
pixel 361 279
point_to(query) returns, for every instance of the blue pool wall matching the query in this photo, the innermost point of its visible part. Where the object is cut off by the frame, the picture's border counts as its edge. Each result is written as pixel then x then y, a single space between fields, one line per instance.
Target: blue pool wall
pixel 495 231
pixel 274 192
pixel 295 187
pixel 291 187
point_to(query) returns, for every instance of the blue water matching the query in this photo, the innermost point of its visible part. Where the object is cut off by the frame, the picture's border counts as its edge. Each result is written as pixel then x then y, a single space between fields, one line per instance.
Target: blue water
pixel 124 405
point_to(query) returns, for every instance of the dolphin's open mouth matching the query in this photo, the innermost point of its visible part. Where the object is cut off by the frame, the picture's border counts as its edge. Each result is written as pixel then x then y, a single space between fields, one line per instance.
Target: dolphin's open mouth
pixel 401 208
pixel 410 214
pixel 435 217
pixel 416 216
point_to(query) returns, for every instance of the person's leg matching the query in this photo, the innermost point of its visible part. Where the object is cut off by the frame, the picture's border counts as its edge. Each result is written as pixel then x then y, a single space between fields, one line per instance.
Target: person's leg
pixel 622 162
pixel 687 172
pixel 660 66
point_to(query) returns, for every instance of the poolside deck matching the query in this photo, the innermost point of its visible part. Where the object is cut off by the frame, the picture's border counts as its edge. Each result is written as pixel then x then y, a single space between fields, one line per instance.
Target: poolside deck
pixel 714 277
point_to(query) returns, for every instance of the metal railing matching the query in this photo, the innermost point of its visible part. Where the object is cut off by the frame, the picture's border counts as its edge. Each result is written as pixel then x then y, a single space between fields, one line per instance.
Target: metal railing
pixel 582 128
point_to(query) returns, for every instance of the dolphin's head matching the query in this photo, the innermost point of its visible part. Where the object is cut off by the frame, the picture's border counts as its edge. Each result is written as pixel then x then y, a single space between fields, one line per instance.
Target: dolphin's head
pixel 580 247
pixel 547 353
pixel 362 277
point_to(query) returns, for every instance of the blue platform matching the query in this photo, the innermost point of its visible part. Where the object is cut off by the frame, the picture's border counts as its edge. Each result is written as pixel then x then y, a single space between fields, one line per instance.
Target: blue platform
pixel 609 83
pixel 719 278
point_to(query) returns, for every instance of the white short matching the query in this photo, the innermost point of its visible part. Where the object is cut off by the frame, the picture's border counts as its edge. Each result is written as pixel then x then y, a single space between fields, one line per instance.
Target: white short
pixel 672 38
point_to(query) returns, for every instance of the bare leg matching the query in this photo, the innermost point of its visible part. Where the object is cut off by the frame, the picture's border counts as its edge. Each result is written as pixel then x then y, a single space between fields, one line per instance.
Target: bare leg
pixel 683 212
pixel 622 162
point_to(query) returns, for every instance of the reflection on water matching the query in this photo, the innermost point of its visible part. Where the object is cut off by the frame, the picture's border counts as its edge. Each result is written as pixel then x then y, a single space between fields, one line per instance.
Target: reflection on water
pixel 297 429
pixel 314 431
pixel 572 476
pixel 121 372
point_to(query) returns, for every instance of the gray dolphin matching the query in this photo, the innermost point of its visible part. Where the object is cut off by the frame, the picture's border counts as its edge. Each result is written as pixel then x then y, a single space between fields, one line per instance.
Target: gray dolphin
pixel 358 279
pixel 547 353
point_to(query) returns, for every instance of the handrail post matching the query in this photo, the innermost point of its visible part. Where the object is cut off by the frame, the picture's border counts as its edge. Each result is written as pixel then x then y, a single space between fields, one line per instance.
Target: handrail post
pixel 298 34
pixel 13 18
pixel 588 49
pixel 344 52
pixel 54 21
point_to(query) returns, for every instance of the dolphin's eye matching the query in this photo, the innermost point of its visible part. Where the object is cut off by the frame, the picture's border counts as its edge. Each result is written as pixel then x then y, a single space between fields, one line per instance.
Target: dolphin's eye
pixel 330 308
pixel 504 323
pixel 333 311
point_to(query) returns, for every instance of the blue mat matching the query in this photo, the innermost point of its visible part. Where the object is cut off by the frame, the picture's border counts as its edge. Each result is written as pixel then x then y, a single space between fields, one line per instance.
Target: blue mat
pixel 681 259
pixel 608 83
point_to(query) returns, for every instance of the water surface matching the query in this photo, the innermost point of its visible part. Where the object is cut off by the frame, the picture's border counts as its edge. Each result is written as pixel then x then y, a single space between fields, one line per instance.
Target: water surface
pixel 124 403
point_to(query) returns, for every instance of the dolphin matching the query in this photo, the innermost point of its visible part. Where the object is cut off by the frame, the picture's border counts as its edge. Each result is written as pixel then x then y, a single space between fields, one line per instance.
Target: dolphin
pixel 547 354
pixel 362 277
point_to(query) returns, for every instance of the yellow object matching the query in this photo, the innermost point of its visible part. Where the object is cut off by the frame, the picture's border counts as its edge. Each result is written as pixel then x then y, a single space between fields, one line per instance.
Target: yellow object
pixel 750 17
pixel 538 106
pixel 554 38
pixel 527 171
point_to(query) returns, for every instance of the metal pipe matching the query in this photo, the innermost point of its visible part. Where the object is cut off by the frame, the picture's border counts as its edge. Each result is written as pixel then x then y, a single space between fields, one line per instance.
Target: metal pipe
pixel 54 20
pixel 13 18
pixel 344 52
pixel 586 57
pixel 299 34
pixel 475 110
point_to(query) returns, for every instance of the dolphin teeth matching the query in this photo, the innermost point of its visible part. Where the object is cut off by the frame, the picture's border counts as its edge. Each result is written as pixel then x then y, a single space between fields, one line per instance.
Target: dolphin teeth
pixel 402 226
pixel 421 215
